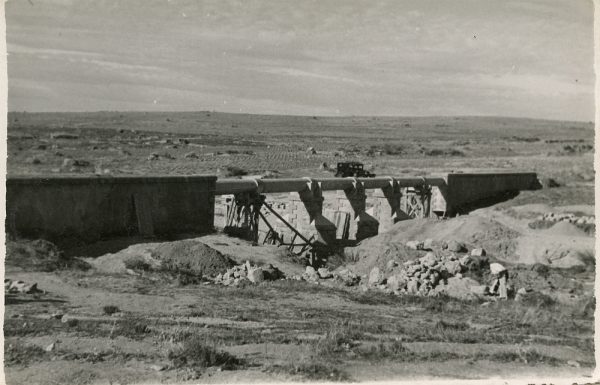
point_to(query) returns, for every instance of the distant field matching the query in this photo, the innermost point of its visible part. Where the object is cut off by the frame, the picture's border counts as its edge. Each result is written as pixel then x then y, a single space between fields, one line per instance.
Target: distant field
pixel 121 142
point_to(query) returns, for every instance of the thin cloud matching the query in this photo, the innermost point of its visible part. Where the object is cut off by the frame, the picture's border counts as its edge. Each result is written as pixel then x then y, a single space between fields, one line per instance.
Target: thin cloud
pixel 359 58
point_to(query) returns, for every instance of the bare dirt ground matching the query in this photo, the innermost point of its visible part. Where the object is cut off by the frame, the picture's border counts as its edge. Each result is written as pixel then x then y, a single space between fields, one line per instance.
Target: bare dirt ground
pixel 105 320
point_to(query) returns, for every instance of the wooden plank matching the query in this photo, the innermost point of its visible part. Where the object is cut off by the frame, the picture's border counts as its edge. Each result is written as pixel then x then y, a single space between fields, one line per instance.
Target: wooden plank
pixel 342 224
pixel 287 224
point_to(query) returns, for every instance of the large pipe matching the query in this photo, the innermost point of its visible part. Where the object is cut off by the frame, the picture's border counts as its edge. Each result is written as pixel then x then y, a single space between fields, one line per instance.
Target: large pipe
pixel 376 183
pixel 420 181
pixel 330 184
pixel 282 185
pixel 233 186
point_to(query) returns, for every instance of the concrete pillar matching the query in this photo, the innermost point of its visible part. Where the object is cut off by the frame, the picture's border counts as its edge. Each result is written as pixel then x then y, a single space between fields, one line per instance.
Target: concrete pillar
pixel 390 210
pixel 306 214
pixel 439 205
pixel 363 224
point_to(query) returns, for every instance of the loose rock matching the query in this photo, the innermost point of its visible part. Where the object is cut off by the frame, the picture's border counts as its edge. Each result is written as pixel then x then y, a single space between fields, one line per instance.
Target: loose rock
pixel 428 244
pixel 574 363
pixel 310 274
pixel 415 245
pixel 391 264
pixel 376 277
pixel 412 287
pixel 429 259
pixel 453 267
pixel 256 275
pixel 456 246
pixel 50 347
pixel 396 282
pixel 324 273
pixel 348 277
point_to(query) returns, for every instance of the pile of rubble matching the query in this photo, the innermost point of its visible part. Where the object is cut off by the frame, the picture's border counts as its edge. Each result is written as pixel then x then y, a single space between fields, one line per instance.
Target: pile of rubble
pixel 248 273
pixel 567 217
pixel 13 287
pixel 439 270
pixel 346 277
pixel 421 276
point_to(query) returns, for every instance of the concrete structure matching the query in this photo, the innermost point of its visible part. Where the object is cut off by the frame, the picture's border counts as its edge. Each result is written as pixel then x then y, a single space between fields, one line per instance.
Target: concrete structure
pixel 328 209
pixel 466 191
pixel 92 208
pixel 363 207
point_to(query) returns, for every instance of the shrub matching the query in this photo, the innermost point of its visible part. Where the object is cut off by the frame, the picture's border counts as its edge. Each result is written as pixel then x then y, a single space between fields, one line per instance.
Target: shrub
pixel 134 328
pixel 393 149
pixel 340 337
pixel 110 309
pixel 443 325
pixel 539 300
pixel 383 351
pixel 530 356
pixel 72 322
pixel 194 352
pixel 440 152
pixel 235 171
pixel 311 370
pixel 454 152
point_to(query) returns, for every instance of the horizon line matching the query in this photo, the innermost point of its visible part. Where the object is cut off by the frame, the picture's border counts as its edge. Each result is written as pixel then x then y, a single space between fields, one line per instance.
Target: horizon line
pixel 300 115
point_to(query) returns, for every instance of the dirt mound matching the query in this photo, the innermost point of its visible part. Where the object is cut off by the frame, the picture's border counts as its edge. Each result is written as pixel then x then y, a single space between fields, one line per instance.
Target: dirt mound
pixel 475 231
pixel 115 262
pixel 504 237
pixel 365 258
pixel 40 255
pixel 191 256
pixel 555 250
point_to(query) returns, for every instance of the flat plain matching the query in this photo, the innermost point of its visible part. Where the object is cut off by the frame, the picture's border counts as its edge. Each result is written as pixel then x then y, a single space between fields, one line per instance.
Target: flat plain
pixel 100 319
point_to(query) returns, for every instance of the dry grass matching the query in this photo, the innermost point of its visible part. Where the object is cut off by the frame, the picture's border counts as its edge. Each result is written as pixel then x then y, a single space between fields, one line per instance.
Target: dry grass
pixel 22 354
pixel 196 353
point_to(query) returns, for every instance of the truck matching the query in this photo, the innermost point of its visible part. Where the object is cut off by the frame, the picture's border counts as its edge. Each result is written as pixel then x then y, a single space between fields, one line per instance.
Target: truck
pixel 352 169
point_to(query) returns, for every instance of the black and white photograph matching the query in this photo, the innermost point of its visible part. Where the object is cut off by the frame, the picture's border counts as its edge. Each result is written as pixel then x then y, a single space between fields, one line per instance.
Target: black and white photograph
pixel 335 191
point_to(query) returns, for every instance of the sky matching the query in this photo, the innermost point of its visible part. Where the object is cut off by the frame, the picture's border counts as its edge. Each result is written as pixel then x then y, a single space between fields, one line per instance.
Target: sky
pixel 345 57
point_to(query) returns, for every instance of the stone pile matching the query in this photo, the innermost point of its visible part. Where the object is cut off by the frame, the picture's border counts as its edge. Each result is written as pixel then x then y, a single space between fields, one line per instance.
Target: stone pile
pixel 248 273
pixel 567 217
pixel 421 276
pixel 346 277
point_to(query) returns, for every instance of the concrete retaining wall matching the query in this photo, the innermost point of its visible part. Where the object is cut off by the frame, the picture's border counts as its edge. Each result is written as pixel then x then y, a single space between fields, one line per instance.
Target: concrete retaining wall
pixel 90 209
pixel 464 191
